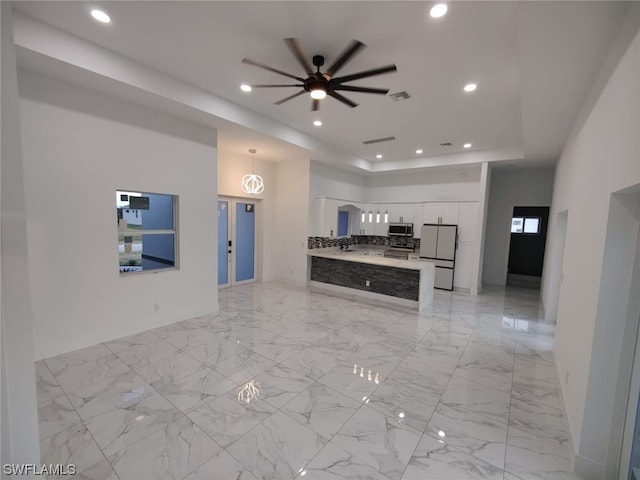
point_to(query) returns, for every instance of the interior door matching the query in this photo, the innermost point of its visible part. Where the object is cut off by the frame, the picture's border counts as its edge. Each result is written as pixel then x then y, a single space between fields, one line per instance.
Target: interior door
pixel 245 242
pixel 526 249
pixel 236 241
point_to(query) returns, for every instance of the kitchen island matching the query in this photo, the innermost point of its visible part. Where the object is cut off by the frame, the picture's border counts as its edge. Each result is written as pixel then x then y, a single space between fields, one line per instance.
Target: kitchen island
pixel 389 280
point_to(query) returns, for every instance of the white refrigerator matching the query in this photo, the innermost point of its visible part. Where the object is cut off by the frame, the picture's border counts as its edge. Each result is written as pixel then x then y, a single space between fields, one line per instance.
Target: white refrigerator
pixel 438 243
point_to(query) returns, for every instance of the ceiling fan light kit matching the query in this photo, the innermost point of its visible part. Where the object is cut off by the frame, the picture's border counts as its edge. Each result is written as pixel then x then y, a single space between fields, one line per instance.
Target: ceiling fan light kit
pixel 321 84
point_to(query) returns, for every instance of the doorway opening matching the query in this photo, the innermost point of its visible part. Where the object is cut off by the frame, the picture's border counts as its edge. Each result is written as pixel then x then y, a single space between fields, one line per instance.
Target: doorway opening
pixel 526 248
pixel 236 241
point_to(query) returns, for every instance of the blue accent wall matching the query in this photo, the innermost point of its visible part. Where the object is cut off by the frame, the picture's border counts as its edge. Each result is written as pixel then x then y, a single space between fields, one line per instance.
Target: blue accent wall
pixel 343 223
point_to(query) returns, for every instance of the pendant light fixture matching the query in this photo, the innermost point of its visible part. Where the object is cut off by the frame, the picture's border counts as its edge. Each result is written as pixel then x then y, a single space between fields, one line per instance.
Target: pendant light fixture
pixel 252 183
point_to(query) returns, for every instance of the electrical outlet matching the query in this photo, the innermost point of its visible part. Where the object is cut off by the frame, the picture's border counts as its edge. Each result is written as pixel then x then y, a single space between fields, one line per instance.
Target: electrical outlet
pixel 367 283
pixel 156 307
pixel 566 378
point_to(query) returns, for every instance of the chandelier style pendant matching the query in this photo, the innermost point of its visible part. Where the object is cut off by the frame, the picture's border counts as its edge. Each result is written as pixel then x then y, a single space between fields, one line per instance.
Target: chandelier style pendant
pixel 252 183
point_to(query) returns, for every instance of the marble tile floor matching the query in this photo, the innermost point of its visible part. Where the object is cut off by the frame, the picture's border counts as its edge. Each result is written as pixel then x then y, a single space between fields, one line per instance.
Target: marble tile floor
pixel 283 383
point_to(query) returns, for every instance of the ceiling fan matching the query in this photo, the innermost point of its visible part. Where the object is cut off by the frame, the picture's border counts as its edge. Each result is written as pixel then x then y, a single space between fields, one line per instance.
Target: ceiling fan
pixel 320 84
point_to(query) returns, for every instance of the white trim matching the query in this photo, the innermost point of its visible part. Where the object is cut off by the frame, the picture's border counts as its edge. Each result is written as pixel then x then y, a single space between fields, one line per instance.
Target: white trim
pixel 588 469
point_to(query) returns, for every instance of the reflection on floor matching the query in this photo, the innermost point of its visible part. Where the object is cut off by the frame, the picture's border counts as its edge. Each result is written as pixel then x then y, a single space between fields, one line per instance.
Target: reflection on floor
pixel 284 383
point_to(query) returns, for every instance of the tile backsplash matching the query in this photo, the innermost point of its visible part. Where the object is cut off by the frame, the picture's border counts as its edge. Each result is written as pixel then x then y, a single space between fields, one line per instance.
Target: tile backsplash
pixel 375 240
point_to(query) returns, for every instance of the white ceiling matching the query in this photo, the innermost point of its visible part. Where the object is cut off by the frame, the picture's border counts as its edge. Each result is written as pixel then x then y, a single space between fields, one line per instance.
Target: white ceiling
pixel 533 63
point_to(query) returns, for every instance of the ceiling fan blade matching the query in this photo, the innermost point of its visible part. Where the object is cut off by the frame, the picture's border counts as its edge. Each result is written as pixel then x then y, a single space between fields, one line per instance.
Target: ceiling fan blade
pixel 315 105
pixel 294 46
pixel 280 102
pixel 271 69
pixel 277 86
pixel 380 91
pixel 345 56
pixel 343 99
pixel 366 73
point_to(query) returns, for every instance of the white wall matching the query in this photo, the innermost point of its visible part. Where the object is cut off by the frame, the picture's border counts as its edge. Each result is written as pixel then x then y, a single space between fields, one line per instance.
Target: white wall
pixel 283 210
pixel 326 181
pixel 483 208
pixel 432 185
pixel 289 258
pixel 18 409
pixel 509 188
pixel 601 157
pixel 79 148
pixel 231 169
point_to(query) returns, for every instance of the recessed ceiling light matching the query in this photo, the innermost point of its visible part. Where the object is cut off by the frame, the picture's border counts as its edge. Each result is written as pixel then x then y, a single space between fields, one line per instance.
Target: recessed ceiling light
pixel 100 16
pixel 467 145
pixel 470 87
pixel 419 151
pixel 317 123
pixel 245 88
pixel 438 10
pixel 379 155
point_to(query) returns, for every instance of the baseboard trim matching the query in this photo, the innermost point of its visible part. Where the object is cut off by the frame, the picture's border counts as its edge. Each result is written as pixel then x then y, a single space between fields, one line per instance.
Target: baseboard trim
pixel 588 469
pixel 109 334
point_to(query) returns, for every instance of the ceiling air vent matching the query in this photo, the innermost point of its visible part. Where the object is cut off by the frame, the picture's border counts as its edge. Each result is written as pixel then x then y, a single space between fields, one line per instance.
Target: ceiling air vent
pixel 397 97
pixel 446 144
pixel 379 140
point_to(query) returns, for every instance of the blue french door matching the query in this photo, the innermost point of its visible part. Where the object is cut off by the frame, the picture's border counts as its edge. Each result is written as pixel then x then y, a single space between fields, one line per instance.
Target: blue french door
pixel 236 241
pixel 245 241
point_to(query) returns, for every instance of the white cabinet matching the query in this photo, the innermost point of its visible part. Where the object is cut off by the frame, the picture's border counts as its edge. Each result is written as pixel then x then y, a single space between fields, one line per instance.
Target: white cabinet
pixel 464 265
pixel 326 217
pixel 401 212
pixel 467 222
pixel 418 219
pixel 446 213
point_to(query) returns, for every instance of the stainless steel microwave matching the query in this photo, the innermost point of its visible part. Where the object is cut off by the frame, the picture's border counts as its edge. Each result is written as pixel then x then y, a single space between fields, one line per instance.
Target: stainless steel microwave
pixel 400 230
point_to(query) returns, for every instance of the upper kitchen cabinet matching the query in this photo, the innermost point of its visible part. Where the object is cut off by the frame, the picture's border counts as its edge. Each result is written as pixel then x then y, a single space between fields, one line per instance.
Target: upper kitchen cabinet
pixel 402 212
pixel 446 213
pixel 326 217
